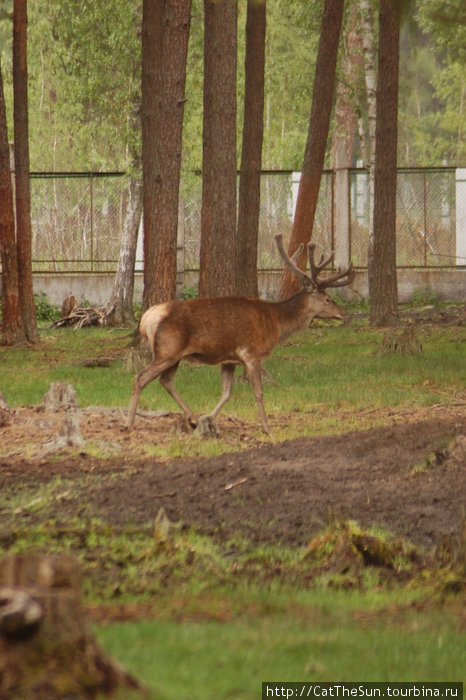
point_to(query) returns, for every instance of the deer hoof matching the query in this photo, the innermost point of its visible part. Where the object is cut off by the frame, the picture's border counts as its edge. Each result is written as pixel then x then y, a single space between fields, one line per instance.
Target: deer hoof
pixel 187 424
pixel 206 427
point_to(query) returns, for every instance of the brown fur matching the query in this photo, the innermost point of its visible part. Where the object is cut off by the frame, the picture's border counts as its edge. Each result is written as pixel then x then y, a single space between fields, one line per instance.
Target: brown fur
pixel 226 331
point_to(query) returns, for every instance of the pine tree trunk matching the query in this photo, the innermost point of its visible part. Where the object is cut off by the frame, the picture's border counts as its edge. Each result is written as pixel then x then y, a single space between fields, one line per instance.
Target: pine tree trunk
pixel 382 265
pixel 218 213
pixel 314 155
pixel 165 44
pixel 23 194
pixel 345 117
pixel 251 155
pixel 12 324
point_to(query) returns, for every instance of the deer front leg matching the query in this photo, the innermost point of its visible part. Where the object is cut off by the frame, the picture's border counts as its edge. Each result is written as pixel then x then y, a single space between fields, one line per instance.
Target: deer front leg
pixel 254 372
pixel 206 424
pixel 228 371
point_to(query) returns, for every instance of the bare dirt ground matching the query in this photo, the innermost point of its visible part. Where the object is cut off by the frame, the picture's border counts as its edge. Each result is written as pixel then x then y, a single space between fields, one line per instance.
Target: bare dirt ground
pixel 408 476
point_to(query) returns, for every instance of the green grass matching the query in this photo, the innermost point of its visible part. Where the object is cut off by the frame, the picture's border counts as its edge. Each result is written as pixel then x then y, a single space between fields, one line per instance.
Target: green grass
pixel 328 636
pixel 323 370
pixel 329 379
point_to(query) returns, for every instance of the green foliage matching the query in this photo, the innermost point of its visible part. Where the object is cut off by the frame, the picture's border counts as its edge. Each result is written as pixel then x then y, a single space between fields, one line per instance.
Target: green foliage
pixel 445 22
pixel 191 292
pixel 354 305
pixel 84 83
pixel 45 310
pixel 424 297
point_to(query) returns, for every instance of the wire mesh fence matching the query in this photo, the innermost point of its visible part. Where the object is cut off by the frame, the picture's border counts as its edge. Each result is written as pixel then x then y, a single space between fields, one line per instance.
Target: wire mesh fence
pixel 428 233
pixel 76 221
pixel 77 218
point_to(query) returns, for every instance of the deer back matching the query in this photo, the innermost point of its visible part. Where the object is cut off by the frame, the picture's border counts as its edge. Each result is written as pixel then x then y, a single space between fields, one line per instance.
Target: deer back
pixel 211 330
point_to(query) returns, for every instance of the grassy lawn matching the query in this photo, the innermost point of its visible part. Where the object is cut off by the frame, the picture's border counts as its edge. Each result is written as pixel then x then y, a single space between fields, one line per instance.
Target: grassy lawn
pixel 206 631
pixel 312 637
pixel 329 379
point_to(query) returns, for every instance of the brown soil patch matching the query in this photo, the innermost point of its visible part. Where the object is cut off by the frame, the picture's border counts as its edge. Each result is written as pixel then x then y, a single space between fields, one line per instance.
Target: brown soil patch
pixel 408 477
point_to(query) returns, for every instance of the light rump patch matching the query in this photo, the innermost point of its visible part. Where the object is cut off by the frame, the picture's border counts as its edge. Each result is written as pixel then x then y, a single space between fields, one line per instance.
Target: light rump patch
pixel 151 320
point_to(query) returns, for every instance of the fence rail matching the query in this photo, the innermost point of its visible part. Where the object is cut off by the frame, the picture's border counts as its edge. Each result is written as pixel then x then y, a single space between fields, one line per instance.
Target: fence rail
pixel 77 218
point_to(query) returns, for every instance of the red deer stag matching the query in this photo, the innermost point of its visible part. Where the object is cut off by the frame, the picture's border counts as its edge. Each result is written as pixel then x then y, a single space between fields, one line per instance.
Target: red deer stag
pixel 231 331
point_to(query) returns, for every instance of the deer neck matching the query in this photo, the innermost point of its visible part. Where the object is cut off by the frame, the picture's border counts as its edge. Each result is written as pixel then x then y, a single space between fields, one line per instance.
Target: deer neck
pixel 295 313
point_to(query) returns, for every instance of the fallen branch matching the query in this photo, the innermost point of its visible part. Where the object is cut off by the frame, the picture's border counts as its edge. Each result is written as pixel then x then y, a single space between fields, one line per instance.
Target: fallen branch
pixel 80 317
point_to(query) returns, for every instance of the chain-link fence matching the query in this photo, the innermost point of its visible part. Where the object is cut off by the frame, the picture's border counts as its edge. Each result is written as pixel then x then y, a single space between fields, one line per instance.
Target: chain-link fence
pixel 429 233
pixel 77 218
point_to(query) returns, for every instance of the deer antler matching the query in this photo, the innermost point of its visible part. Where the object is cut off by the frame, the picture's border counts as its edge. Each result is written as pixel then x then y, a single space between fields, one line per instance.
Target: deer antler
pixel 291 262
pixel 339 279
pixel 335 280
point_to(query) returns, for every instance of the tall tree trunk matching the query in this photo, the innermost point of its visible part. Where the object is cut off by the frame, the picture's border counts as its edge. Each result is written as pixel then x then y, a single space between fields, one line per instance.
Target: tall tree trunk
pixel 12 324
pixel 367 23
pixel 22 189
pixel 119 309
pixel 314 155
pixel 251 154
pixel 218 212
pixel 164 46
pixel 345 117
pixel 382 265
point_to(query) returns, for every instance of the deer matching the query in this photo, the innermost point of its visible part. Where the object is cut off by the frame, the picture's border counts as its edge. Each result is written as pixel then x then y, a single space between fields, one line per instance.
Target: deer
pixel 233 331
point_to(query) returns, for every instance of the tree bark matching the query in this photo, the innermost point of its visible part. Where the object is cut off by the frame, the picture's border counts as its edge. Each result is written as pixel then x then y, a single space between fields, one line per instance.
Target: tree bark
pixel 382 264
pixel 370 76
pixel 314 155
pixel 345 115
pixel 46 647
pixel 12 324
pixel 22 181
pixel 119 309
pixel 164 48
pixel 251 154
pixel 218 212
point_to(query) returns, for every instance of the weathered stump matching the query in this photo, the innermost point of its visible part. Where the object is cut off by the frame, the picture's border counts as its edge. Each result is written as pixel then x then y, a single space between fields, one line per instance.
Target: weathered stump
pixel 404 342
pixel 68 304
pixel 137 358
pixel 46 648
pixel 62 397
pixel 5 412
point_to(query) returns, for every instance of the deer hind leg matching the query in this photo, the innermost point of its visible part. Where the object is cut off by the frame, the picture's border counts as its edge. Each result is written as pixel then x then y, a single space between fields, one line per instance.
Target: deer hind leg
pixel 166 379
pixel 141 380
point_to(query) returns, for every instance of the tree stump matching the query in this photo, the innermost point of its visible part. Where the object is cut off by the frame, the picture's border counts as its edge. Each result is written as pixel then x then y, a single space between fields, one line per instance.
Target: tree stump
pixel 46 648
pixel 405 343
pixel 62 396
pixel 5 412
pixel 137 358
pixel 68 304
